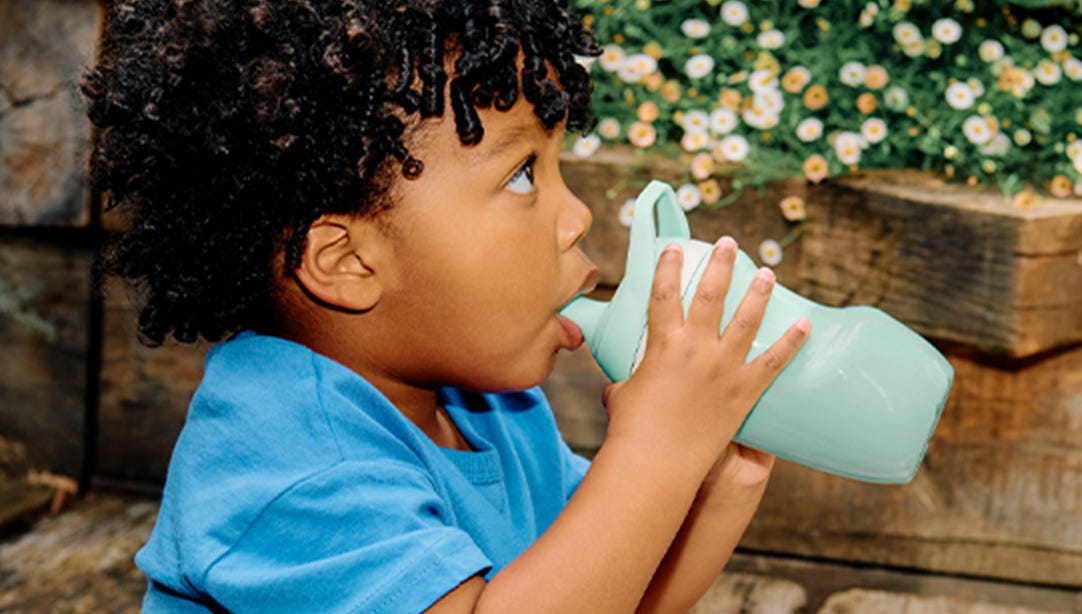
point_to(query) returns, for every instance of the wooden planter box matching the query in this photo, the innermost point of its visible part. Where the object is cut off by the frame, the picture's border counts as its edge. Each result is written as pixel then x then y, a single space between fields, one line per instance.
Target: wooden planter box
pixel 997 288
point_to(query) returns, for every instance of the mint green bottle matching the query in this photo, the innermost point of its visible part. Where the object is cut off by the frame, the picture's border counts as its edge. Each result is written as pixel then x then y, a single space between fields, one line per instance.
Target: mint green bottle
pixel 860 399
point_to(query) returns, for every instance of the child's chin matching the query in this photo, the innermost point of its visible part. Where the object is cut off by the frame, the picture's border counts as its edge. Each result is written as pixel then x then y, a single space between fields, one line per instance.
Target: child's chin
pixel 521 379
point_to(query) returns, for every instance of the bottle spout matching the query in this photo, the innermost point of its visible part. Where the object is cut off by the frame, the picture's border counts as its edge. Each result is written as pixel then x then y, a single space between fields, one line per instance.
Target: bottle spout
pixel 588 315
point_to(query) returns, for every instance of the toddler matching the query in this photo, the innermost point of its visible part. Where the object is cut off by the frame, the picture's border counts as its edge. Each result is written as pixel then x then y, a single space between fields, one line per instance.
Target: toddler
pixel 361 200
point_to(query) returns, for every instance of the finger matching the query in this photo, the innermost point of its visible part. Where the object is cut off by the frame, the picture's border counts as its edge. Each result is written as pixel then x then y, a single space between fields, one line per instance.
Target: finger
pixel 665 309
pixel 607 393
pixel 773 360
pixel 708 304
pixel 741 330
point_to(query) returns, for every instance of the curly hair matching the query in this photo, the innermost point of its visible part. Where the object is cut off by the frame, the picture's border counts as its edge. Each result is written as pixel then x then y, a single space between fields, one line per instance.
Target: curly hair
pixel 226 127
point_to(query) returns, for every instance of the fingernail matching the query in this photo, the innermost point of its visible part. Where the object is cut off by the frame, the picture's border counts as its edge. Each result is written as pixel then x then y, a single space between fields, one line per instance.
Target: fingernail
pixel 726 243
pixel 671 250
pixel 764 277
pixel 803 325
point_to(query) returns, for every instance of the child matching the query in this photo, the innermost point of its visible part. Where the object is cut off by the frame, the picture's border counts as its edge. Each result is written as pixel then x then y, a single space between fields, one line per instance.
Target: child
pixel 363 200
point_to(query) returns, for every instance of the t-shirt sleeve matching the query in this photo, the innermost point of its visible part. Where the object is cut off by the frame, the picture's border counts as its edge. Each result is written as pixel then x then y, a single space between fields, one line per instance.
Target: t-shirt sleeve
pixel 358 537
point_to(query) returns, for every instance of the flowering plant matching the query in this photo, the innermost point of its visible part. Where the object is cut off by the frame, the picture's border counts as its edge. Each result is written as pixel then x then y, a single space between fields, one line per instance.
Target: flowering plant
pixel 985 92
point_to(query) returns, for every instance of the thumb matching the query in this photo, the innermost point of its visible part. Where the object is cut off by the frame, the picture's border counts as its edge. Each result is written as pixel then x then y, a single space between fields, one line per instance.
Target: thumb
pixel 607 393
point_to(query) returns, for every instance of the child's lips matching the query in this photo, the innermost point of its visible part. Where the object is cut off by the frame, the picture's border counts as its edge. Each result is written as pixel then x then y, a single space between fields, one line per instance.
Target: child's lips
pixel 573 338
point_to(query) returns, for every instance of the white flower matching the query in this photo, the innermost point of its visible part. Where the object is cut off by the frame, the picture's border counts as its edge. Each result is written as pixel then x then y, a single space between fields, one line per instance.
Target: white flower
pixel 960 95
pixel 722 121
pixel 1078 164
pixel 770 252
pixel 758 117
pixel 914 50
pixel 689 196
pixel 852 73
pixel 991 50
pixel 762 80
pixel 998 145
pixel 586 145
pixel 896 98
pixel 1072 67
pixel 626 212
pixel 771 39
pixel 734 13
pixel 1031 28
pixel 905 33
pixel 694 141
pixel 947 31
pixel 808 4
pixel 695 120
pixel 1048 72
pixel 609 128
pixel 734 148
pixel 1074 151
pixel 867 16
pixel 612 58
pixel 699 66
pixel 636 67
pixel 770 101
pixel 848 147
pixel 586 61
pixel 976 130
pixel 874 129
pixel 701 166
pixel 809 129
pixel 1022 137
pixel 975 85
pixel 1054 39
pixel 695 28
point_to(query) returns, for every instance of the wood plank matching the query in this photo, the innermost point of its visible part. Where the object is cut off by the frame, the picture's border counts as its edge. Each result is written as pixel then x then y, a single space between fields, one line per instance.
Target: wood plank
pixel 144 395
pixel 999 494
pixel 824 580
pixel 44 304
pixel 957 263
pixel 45 45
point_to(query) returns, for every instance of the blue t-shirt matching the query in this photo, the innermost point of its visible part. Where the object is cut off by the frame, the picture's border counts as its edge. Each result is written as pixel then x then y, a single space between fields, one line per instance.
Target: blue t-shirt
pixel 296 486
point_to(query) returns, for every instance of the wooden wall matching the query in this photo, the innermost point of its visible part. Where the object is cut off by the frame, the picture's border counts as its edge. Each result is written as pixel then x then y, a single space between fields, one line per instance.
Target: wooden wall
pixel 47 240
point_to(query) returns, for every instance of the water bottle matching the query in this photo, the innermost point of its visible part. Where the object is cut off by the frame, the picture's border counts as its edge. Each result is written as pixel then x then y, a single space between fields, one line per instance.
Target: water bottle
pixel 860 399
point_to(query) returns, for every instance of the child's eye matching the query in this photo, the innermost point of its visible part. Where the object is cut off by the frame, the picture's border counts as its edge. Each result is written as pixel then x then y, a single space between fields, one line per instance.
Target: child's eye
pixel 522 181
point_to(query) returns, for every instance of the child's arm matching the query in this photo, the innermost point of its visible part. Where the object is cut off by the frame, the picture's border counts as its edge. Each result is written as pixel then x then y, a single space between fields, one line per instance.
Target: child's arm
pixel 670 423
pixel 721 512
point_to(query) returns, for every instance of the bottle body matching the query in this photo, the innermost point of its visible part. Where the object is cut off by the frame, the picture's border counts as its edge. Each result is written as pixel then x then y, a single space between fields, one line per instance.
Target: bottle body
pixel 862 396
pixel 860 399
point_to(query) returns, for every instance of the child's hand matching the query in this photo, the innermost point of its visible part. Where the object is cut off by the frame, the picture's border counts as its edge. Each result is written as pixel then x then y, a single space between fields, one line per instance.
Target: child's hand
pixel 694 386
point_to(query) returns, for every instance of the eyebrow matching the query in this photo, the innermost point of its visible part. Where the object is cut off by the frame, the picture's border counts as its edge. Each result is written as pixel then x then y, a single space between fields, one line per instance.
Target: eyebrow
pixel 506 140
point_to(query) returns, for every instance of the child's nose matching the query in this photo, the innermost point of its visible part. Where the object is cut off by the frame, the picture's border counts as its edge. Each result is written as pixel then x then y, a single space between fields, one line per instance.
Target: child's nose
pixel 575 220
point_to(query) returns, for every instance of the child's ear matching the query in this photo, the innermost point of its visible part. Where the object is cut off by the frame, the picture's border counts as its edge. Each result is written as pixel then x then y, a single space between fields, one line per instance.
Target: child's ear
pixel 338 262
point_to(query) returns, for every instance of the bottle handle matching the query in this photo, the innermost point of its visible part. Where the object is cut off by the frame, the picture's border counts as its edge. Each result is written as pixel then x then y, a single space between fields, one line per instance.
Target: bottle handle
pixel 657 197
